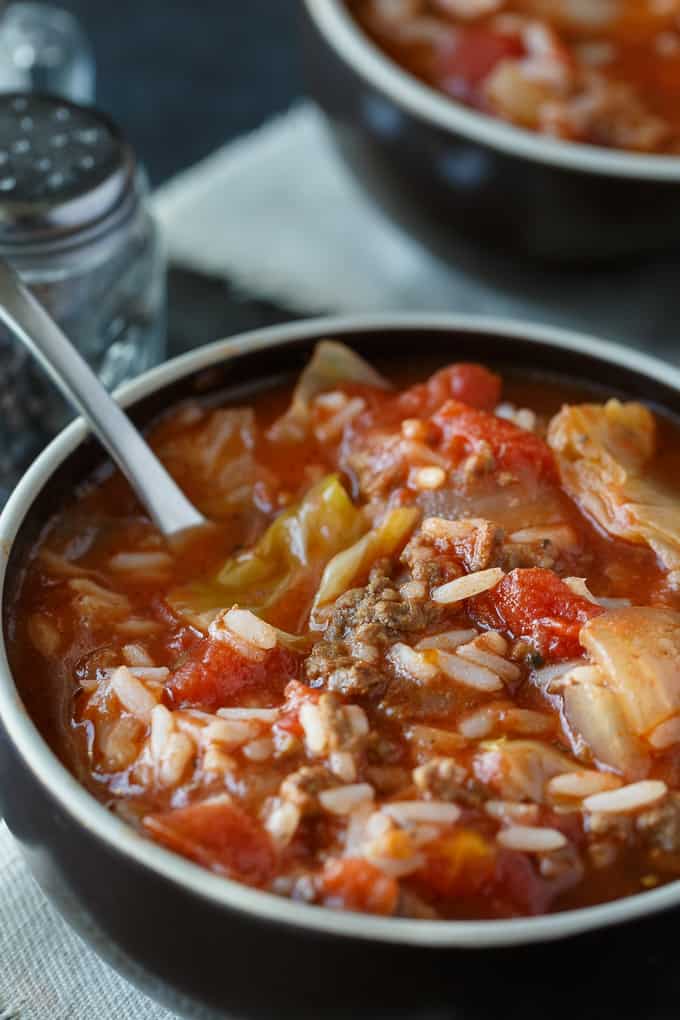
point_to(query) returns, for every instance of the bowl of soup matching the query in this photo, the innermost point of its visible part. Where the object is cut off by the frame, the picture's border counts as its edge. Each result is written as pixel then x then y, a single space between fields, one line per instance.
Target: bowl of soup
pixel 412 690
pixel 549 129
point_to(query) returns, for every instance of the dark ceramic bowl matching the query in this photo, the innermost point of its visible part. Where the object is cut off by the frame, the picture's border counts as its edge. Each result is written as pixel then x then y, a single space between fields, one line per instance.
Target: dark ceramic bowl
pixel 200 942
pixel 445 172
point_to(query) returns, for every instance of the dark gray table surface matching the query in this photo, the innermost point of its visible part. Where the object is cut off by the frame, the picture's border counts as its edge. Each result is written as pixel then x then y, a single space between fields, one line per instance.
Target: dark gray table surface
pixel 182 77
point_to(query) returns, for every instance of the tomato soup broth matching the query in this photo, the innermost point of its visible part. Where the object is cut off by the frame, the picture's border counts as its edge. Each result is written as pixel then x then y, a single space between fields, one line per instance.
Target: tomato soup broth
pixel 423 662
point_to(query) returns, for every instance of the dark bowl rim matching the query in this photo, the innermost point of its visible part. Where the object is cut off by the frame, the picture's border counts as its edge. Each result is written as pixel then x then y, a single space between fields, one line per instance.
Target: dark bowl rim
pixel 355 49
pixel 120 837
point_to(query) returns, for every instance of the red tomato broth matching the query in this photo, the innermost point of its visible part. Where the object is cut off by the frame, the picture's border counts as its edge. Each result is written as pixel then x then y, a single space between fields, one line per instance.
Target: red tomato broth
pixel 461 875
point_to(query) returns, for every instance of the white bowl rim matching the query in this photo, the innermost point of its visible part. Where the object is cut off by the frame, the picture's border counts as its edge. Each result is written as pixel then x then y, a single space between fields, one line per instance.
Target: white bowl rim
pixel 88 812
pixel 356 49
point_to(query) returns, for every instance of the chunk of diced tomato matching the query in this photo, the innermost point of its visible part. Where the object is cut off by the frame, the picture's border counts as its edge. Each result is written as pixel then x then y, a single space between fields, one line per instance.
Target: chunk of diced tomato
pixel 515 450
pixel 535 604
pixel 471 55
pixel 518 884
pixel 354 884
pixel 218 835
pixel 216 672
pixel 470 383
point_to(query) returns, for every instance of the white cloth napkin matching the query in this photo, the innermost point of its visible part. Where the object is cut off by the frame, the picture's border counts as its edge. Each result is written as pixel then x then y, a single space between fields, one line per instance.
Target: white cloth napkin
pixel 46 972
pixel 279 215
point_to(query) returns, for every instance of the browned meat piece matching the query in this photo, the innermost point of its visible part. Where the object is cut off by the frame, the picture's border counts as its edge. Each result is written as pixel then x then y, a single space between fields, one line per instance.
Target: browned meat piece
pixel 661 825
pixel 303 787
pixel 365 621
pixel 338 723
pixel 445 779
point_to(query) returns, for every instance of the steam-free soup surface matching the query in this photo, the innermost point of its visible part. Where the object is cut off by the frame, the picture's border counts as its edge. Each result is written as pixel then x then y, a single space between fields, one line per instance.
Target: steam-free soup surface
pixel 605 72
pixel 425 663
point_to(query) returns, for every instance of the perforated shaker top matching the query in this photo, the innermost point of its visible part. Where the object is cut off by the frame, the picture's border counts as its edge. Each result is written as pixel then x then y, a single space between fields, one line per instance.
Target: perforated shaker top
pixel 63 168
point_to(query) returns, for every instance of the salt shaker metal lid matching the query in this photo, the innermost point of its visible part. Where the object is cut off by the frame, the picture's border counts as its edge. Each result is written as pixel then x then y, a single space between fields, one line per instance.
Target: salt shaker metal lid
pixel 64 170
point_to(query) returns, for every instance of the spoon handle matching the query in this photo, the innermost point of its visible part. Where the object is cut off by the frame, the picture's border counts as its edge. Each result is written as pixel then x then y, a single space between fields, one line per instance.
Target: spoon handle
pixel 169 508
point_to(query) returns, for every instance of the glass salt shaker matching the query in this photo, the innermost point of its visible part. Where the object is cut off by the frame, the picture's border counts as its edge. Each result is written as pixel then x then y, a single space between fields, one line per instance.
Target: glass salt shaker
pixel 44 49
pixel 75 225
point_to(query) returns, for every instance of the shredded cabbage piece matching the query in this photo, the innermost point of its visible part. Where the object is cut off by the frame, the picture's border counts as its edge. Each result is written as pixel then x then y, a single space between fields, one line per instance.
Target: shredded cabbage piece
pixel 602 451
pixel 331 364
pixel 351 566
pixel 290 556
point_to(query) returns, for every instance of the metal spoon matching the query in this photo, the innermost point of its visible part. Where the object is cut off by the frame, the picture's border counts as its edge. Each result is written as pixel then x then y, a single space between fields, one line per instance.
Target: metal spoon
pixel 167 505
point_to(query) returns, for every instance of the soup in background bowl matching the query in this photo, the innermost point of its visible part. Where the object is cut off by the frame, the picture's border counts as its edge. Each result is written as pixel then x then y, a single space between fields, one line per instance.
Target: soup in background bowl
pixel 604 72
pixel 470 122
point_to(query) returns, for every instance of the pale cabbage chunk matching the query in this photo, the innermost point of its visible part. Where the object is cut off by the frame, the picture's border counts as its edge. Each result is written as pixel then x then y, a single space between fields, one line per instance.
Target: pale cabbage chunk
pixel 631 687
pixel 602 452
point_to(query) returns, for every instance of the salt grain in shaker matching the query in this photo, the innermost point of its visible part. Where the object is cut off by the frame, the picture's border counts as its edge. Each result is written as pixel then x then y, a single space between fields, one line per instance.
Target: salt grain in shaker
pixel 74 224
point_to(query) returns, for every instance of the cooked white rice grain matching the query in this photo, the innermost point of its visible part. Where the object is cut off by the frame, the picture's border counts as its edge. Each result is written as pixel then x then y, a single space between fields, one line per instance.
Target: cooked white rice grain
pixel 365 652
pixel 413 591
pixel 414 428
pixel 84 586
pixel 548 677
pixel 377 825
pixel 282 822
pixel 264 715
pixel 666 734
pixel 357 719
pixel 316 736
pixel 44 634
pixel 149 563
pixel 333 427
pixel 512 811
pixel 259 750
pixel 520 416
pixel 492 641
pixel 479 724
pixel 175 759
pixel 530 839
pixel 561 536
pixel 341 800
pixel 250 628
pixel 150 674
pixel 411 812
pixel 427 478
pixel 393 867
pixel 473 653
pixel 356 833
pixel 467 586
pixel 137 628
pixel 136 655
pixel 448 640
pixel 468 673
pixel 341 764
pixel 119 743
pixel 633 797
pixel 433 740
pixel 412 663
pixel 132 694
pixel 231 733
pixel 581 784
pixel 332 401
pixel 526 721
pixel 162 726
pixel 217 760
